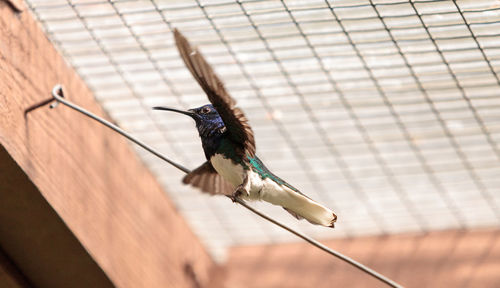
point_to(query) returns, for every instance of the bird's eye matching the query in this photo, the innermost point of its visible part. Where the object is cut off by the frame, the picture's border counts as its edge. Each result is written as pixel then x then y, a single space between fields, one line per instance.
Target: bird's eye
pixel 205 110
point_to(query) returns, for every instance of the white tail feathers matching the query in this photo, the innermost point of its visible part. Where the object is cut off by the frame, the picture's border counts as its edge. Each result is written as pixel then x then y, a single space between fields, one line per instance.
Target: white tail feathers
pixel 299 205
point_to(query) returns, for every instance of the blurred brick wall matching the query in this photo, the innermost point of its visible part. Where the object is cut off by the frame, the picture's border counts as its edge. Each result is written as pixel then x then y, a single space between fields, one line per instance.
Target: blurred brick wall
pixel 88 173
pixel 438 259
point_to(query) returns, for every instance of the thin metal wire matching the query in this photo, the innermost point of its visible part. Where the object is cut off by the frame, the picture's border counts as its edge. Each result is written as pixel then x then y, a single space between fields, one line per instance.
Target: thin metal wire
pixel 58 95
pixel 127 83
pixel 390 176
pixel 475 37
pixel 267 11
pixel 394 182
pixel 354 185
pixel 429 170
pixel 207 5
pixel 239 26
pixel 362 88
pixel 244 38
pixel 275 24
pixel 305 71
pixel 478 182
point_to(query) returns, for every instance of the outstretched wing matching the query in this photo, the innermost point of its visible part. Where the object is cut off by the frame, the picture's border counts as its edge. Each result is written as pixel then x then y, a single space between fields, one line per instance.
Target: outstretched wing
pixel 208 180
pixel 234 119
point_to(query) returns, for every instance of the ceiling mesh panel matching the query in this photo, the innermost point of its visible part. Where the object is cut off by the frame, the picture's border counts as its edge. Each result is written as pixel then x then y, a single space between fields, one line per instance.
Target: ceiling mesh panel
pixel 385 111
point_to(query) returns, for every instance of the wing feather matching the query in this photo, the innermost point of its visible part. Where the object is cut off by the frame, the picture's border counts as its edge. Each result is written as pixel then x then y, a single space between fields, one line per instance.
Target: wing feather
pixel 236 123
pixel 208 180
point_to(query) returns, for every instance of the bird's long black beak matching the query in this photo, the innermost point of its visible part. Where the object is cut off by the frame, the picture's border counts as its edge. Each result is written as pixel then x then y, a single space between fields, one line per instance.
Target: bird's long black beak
pixel 188 112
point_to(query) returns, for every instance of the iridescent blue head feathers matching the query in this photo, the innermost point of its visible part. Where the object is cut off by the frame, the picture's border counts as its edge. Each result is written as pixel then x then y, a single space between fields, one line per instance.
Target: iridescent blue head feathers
pixel 208 121
pixel 210 126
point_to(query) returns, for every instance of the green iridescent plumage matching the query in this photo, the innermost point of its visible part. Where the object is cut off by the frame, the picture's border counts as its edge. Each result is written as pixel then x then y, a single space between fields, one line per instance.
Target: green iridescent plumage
pixel 227 149
pixel 264 173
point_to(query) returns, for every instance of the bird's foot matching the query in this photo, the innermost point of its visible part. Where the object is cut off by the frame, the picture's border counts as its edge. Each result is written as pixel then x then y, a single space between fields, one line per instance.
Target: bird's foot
pixel 232 197
pixel 238 192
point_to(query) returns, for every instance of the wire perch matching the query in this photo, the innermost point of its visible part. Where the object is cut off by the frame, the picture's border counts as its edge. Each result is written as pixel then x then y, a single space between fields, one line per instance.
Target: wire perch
pixel 58 96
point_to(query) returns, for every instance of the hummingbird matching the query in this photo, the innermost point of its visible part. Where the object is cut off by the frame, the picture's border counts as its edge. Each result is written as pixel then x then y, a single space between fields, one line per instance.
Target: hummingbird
pixel 232 167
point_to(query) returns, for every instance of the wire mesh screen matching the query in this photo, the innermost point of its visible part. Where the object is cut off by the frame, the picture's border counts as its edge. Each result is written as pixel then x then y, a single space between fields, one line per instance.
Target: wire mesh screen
pixel 386 111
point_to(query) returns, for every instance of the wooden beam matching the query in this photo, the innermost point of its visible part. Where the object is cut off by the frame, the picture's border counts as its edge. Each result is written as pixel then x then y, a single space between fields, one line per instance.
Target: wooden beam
pixel 34 237
pixel 88 174
pixel 16 5
pixel 10 275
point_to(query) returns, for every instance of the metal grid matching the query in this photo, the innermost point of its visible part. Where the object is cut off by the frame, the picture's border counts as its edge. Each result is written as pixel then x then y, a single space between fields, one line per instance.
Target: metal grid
pixel 386 111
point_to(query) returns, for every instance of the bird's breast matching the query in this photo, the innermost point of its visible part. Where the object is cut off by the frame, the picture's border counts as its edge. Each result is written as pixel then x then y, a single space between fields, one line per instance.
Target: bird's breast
pixel 235 173
pixel 232 172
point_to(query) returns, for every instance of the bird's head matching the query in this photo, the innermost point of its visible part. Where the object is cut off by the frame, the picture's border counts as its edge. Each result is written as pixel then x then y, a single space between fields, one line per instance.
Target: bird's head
pixel 208 120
